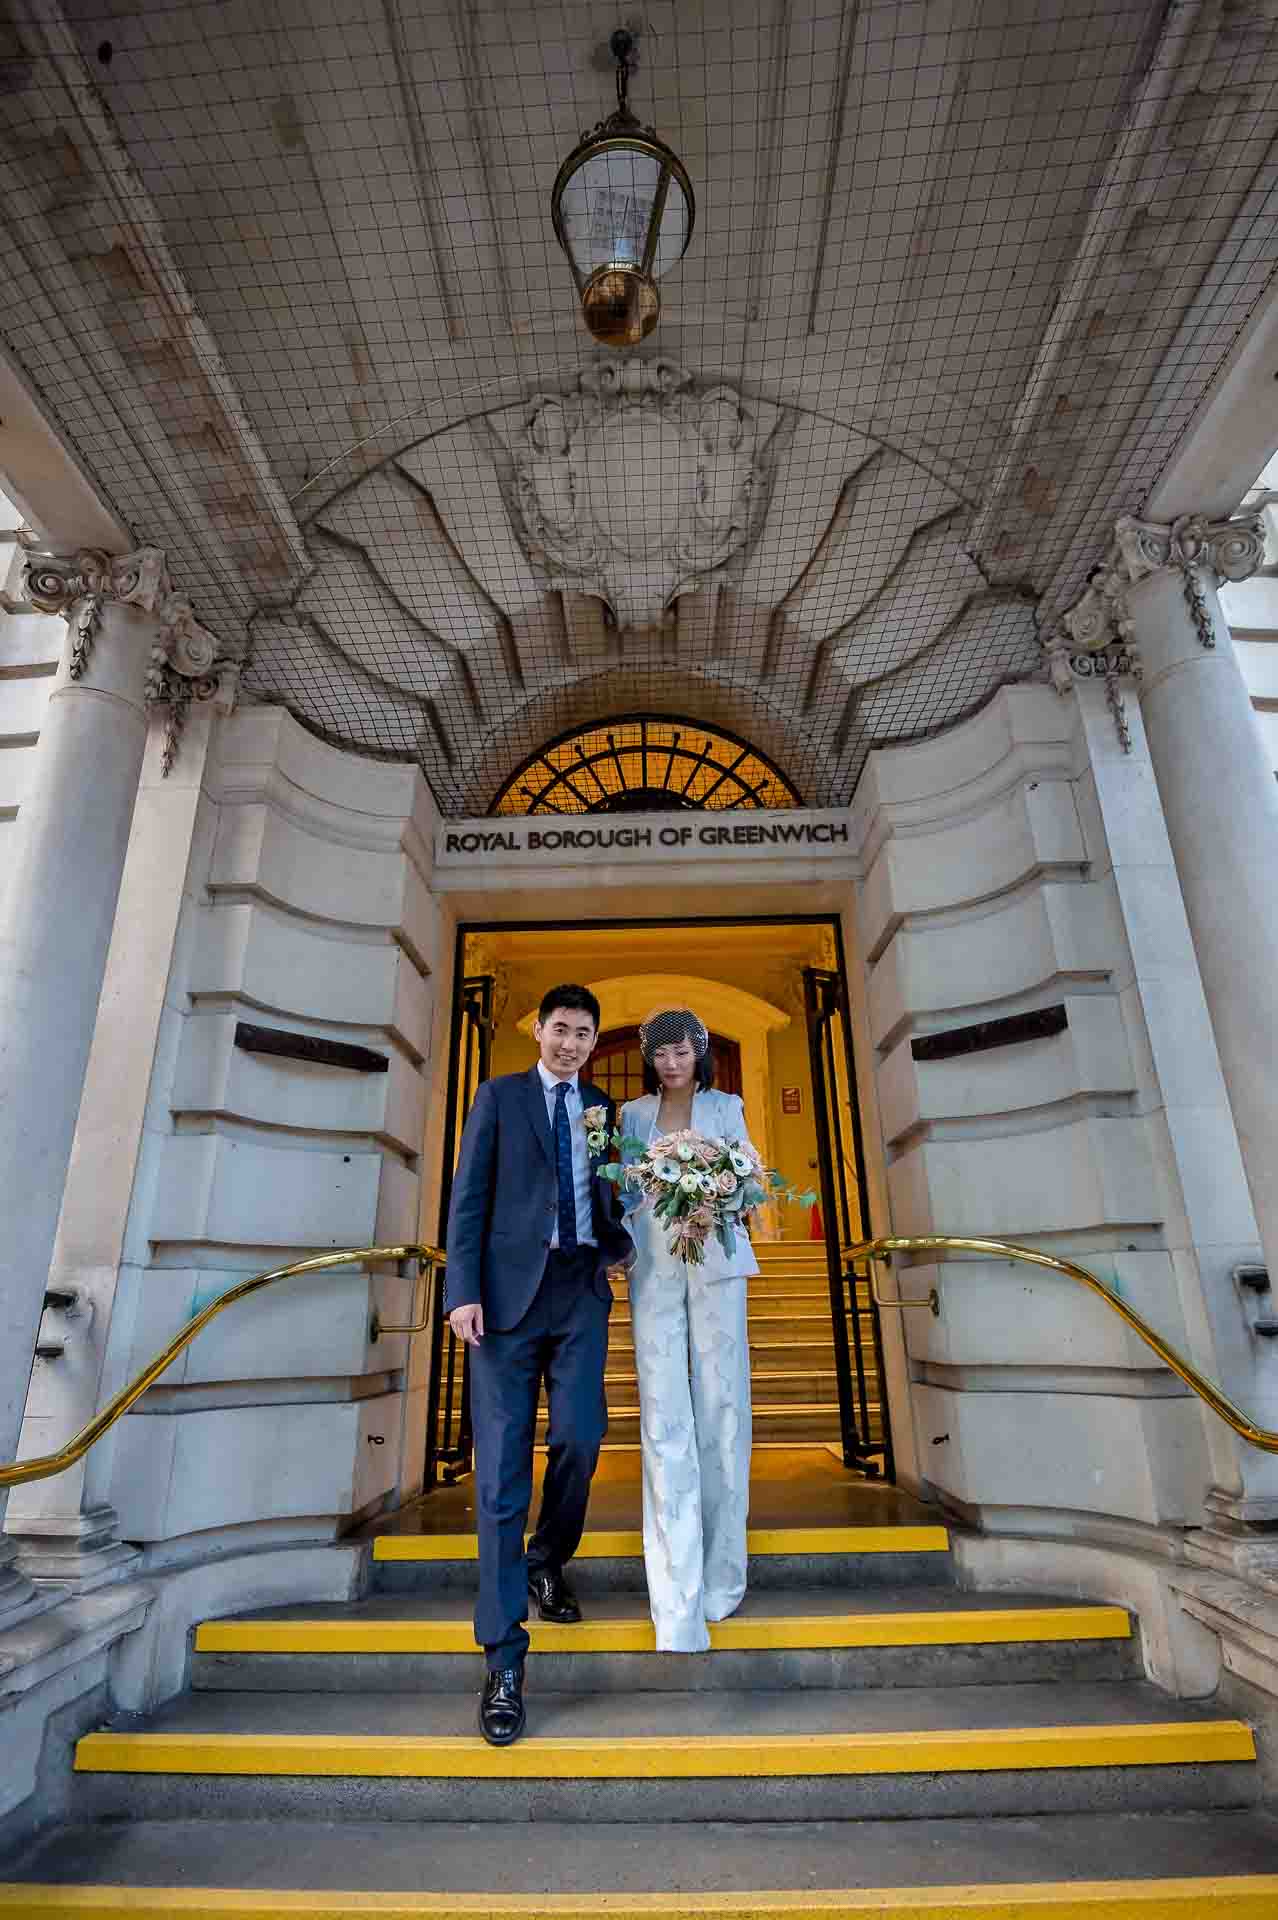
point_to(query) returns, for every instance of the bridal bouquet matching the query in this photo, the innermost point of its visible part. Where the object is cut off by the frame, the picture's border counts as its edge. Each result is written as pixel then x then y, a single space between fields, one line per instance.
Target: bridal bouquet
pixel 699 1187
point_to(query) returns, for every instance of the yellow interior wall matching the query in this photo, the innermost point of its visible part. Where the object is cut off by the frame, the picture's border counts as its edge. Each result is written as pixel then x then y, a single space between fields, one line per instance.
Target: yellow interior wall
pixel 793 1135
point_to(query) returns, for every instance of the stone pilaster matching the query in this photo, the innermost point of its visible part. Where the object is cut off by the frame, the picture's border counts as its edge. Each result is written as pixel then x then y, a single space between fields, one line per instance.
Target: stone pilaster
pixel 131 643
pixel 1153 605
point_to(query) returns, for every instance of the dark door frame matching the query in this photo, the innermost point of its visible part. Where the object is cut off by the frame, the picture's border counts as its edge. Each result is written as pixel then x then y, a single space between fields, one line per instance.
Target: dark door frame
pixel 448 1395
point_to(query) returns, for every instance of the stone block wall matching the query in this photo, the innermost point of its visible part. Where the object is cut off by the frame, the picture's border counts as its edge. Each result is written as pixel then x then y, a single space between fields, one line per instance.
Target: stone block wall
pixel 295 878
pixel 315 920
pixel 30 648
pixel 1011 864
pixel 1251 608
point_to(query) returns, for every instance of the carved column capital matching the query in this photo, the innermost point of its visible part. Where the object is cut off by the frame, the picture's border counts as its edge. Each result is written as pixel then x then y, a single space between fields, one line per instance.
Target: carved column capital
pixel 1232 549
pixel 1189 547
pixel 187 661
pixel 1099 618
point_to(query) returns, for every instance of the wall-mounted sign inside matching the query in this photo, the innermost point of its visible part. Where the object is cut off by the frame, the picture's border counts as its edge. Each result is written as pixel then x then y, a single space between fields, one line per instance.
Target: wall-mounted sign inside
pixel 791 1100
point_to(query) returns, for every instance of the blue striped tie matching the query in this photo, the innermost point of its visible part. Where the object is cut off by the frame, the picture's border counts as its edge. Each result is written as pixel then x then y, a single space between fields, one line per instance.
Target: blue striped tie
pixel 563 1172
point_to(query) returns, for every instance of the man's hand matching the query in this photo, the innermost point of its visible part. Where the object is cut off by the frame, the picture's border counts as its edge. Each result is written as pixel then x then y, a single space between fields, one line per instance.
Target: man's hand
pixel 468 1324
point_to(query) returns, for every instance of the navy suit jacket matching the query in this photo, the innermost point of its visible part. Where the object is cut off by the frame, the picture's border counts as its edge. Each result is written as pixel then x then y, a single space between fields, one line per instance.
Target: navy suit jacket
pixel 505 1198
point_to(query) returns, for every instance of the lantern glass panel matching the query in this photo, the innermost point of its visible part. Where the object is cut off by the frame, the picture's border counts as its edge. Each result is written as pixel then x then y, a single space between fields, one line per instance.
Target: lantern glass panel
pixel 606 208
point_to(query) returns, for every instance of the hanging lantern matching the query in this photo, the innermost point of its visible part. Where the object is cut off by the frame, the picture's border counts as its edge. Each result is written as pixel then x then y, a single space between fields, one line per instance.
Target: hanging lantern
pixel 623 211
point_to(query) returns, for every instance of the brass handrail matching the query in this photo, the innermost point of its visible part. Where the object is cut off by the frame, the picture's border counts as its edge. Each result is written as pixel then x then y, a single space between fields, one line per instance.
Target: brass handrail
pixel 870 1250
pixel 45 1465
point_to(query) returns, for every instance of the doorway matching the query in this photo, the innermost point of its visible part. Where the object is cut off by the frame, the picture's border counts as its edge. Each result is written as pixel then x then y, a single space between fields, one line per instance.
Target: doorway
pixel 772 992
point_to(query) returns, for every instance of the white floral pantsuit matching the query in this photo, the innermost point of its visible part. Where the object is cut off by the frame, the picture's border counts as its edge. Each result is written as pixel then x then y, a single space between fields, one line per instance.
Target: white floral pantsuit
pixel 692 1356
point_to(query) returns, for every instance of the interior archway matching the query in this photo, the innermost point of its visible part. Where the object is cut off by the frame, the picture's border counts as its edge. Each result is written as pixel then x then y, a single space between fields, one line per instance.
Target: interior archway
pixel 744 1017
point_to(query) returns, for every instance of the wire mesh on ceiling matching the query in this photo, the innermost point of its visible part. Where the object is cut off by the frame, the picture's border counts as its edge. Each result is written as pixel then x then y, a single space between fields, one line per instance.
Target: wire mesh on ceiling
pixel 285 275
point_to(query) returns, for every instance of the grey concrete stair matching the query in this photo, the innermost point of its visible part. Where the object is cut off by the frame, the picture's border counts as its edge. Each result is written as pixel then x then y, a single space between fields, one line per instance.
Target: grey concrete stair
pixel 622 1727
pixel 860 1723
pixel 668 1857
pixel 839 1573
pixel 954 1663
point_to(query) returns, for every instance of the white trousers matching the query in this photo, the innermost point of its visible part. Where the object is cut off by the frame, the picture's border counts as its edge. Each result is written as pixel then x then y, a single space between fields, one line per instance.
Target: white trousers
pixel 692 1355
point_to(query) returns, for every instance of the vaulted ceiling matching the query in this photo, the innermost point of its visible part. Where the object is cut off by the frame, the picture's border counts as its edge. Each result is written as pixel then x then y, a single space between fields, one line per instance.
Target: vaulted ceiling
pixel 282 274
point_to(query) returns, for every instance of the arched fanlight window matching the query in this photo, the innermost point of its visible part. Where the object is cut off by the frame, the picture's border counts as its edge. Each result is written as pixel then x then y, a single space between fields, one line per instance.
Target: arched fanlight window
pixel 644 765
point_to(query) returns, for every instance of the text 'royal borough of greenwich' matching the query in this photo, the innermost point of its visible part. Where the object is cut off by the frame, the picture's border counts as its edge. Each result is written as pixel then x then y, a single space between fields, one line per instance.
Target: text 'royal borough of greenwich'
pixel 667 839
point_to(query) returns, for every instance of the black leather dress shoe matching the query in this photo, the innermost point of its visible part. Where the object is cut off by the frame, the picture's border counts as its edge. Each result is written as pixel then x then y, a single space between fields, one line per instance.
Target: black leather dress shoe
pixel 501 1706
pixel 553 1598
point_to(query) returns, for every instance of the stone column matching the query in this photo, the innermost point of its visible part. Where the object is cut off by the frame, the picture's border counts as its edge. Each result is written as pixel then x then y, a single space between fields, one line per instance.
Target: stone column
pixel 1156 594
pixel 127 638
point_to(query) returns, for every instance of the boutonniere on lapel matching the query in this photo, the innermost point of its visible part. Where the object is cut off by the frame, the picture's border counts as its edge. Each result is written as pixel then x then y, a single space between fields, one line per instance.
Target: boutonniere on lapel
pixel 595 1121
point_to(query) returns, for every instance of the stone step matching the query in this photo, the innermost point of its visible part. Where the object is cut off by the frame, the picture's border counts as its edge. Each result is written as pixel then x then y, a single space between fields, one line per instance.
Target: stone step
pixel 770 1339
pixel 774 1389
pixel 798 1753
pixel 895 1554
pixel 762 1288
pixel 781 1638
pixel 763 1352
pixel 800 1420
pixel 1158 1866
pixel 813 1313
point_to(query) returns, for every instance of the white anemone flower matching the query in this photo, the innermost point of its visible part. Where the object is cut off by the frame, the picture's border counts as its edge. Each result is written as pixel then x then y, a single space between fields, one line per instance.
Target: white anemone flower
pixel 684 1151
pixel 690 1182
pixel 741 1162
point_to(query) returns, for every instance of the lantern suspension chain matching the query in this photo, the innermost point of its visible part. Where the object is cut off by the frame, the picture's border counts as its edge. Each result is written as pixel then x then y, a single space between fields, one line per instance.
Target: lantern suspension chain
pixel 626 54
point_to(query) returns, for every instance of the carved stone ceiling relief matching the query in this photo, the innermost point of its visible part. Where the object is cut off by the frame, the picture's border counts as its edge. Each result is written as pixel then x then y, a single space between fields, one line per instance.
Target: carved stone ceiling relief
pixel 640 486
pixel 641 538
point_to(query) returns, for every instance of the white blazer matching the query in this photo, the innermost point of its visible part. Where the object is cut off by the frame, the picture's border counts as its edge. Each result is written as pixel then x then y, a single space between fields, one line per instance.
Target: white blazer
pixel 719 1116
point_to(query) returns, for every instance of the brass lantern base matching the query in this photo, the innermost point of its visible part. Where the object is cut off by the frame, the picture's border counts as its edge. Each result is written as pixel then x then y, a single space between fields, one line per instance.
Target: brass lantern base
pixel 621 305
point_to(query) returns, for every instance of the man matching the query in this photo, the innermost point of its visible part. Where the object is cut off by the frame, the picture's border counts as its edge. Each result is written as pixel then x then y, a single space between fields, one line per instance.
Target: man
pixel 532 1232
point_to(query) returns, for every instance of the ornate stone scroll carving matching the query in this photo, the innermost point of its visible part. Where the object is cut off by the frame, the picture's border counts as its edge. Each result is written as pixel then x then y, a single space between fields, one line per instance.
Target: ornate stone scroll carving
pixel 186 662
pixel 1230 549
pixel 1111 663
pixel 78 587
pixel 638 484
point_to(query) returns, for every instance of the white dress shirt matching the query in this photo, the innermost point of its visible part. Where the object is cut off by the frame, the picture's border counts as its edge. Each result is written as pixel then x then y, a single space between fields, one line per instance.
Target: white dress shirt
pixel 580 1155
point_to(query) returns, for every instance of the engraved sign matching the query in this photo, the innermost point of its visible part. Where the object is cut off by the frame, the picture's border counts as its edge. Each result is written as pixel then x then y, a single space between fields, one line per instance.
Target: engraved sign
pixel 567 840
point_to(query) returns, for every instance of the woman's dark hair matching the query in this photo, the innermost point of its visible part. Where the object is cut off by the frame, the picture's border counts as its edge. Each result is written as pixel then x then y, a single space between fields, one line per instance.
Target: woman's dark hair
pixel 575 999
pixel 702 1074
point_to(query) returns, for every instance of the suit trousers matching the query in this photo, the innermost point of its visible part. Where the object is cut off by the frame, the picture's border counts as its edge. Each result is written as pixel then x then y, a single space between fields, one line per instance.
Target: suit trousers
pixel 563 1340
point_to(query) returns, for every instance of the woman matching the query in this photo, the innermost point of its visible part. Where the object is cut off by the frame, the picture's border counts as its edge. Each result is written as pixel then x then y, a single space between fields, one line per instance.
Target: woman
pixel 692 1355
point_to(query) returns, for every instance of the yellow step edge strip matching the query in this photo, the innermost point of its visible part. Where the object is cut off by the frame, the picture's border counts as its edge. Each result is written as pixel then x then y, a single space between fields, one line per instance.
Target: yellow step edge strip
pixel 625 1546
pixel 667 1757
pixel 951 1627
pixel 1245 1897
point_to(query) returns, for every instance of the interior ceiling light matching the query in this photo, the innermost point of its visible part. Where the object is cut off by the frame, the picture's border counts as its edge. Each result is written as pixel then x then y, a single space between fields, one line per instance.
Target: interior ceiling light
pixel 623 210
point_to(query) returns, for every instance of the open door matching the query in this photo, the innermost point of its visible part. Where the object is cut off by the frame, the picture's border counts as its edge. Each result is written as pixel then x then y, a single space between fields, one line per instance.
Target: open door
pixel 449 1442
pixel 858 1347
